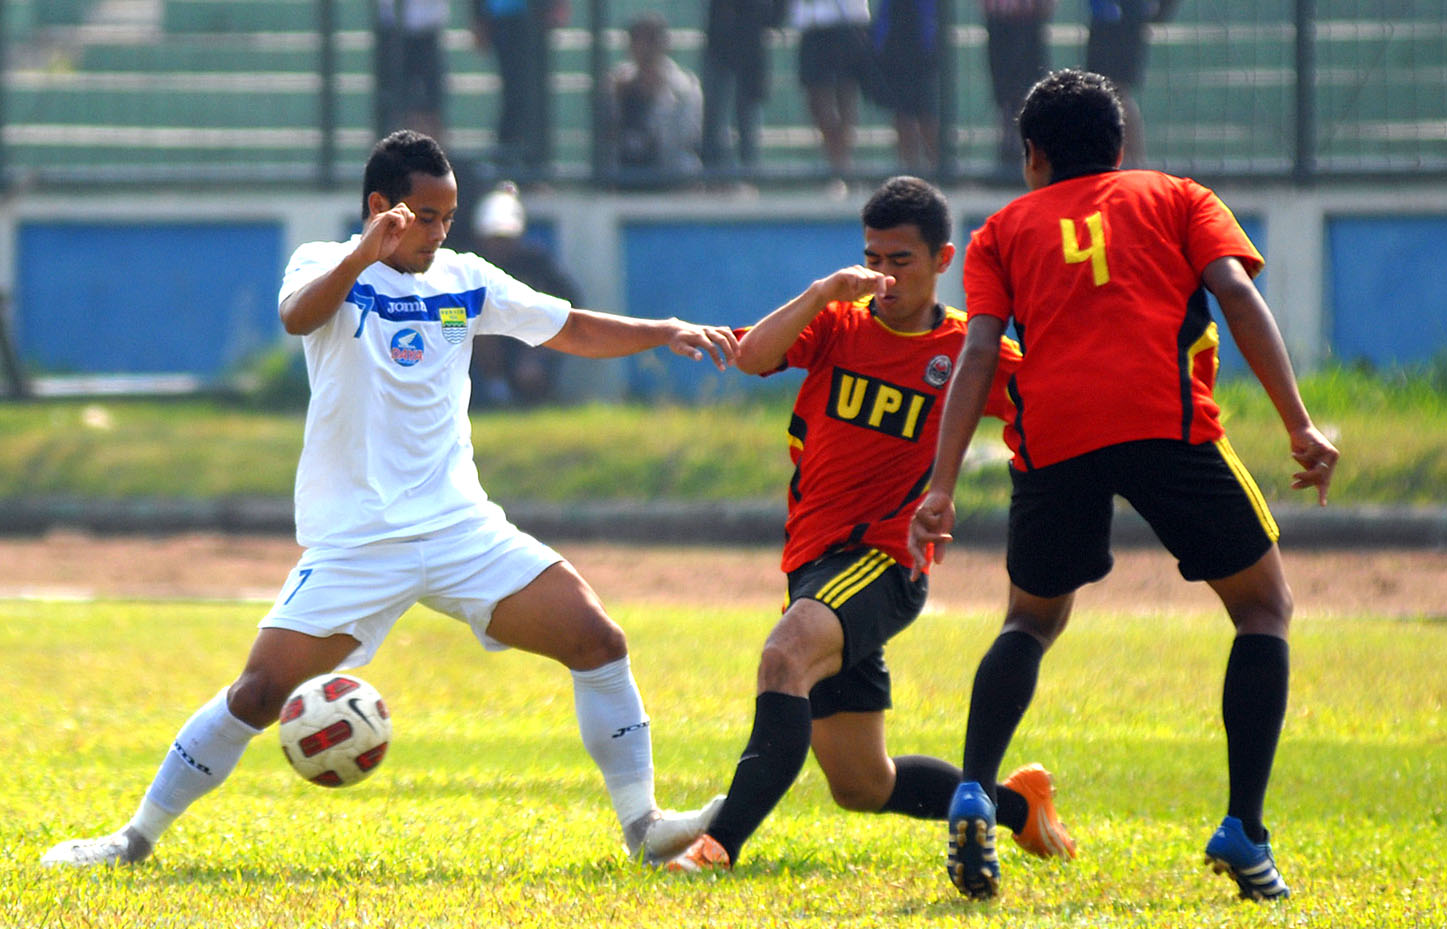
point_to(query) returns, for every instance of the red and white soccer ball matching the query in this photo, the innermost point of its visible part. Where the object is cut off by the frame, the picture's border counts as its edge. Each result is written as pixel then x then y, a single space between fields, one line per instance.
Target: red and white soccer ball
pixel 335 730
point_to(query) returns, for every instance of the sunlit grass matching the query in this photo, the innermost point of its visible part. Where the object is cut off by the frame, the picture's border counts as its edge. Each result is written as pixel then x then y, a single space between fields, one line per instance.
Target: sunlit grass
pixel 1392 429
pixel 488 812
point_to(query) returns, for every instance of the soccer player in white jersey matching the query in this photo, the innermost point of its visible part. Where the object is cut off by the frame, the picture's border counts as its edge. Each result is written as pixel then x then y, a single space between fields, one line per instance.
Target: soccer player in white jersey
pixel 388 505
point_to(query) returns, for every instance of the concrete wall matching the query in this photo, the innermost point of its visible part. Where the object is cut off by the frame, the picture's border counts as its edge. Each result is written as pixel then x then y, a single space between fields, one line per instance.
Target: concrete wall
pixel 185 283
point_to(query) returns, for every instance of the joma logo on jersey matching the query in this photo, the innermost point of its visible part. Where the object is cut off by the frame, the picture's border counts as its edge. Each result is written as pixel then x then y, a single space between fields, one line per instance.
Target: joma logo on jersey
pixel 878 405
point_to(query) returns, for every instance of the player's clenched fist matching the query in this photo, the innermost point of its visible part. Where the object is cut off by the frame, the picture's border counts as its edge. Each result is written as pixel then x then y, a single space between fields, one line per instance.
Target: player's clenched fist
pixel 855 283
pixel 384 231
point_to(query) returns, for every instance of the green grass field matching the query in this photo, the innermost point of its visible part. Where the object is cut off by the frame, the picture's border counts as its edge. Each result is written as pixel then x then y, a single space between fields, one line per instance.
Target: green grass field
pixel 1391 428
pixel 488 813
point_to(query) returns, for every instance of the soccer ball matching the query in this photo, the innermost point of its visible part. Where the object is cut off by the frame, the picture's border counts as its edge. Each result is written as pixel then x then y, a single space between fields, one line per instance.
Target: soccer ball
pixel 335 729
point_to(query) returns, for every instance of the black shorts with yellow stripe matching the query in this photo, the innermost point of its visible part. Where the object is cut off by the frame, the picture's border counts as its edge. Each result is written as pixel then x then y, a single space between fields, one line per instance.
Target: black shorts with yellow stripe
pixel 1199 499
pixel 874 598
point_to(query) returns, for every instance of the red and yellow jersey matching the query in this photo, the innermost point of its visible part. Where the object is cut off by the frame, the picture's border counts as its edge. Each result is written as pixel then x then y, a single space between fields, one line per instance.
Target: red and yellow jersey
pixel 862 436
pixel 1102 276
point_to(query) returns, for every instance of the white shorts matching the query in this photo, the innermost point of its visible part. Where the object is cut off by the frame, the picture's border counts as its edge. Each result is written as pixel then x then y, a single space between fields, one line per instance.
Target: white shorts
pixel 462 571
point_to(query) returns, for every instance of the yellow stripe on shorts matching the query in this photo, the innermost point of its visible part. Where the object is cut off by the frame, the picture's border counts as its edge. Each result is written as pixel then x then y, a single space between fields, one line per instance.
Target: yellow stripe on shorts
pixel 1253 493
pixel 854 578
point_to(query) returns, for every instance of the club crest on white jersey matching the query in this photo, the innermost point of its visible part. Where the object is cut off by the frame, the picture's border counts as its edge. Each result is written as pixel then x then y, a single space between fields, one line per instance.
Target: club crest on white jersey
pixel 454 323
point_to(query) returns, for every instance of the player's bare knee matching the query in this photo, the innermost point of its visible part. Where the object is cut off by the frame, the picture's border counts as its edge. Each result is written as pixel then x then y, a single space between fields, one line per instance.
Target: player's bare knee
pixel 1281 606
pixel 1043 630
pixel 602 642
pixel 1258 601
pixel 858 797
pixel 783 670
pixel 256 698
pixel 1269 613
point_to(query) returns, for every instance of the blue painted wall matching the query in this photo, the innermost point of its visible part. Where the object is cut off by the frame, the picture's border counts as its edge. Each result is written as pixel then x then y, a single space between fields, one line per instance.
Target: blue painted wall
pixel 198 298
pixel 194 298
pixel 724 274
pixel 1387 296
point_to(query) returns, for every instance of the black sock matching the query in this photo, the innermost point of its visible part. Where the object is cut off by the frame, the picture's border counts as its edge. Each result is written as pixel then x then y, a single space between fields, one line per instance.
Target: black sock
pixel 1253 707
pixel 777 750
pixel 923 787
pixel 1004 684
pixel 1011 809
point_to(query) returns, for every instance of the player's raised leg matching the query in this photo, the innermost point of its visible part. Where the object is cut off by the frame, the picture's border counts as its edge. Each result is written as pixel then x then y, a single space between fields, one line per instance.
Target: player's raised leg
pixel 559 615
pixel 211 742
pixel 850 748
pixel 863 776
pixel 851 751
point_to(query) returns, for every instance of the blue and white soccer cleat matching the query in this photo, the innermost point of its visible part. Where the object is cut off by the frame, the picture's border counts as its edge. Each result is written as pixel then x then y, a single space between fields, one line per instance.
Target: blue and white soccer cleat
pixel 1249 863
pixel 973 865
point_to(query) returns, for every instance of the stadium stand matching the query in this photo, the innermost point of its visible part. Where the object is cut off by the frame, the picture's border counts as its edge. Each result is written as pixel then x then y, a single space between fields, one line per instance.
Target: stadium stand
pixel 221 91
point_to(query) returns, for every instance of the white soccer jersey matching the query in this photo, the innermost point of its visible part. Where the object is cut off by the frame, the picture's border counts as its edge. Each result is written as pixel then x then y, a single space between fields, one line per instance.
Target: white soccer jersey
pixel 387 452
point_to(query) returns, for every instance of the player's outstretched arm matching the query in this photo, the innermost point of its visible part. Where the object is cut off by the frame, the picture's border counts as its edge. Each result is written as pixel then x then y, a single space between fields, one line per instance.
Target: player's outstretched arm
pixel 600 335
pixel 964 405
pixel 763 347
pixel 1260 342
pixel 309 308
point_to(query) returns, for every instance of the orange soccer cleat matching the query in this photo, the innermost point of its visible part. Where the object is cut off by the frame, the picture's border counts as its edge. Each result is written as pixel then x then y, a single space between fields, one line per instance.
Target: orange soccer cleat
pixel 705 854
pixel 1044 834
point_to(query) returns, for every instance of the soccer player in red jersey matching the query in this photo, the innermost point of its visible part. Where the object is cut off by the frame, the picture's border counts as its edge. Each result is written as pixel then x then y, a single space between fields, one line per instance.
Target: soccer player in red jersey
pixel 878 347
pixel 1102 272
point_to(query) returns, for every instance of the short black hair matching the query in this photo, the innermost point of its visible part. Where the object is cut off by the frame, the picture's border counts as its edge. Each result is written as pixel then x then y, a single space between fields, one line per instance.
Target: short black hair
pixel 395 159
pixel 906 199
pixel 649 26
pixel 1076 120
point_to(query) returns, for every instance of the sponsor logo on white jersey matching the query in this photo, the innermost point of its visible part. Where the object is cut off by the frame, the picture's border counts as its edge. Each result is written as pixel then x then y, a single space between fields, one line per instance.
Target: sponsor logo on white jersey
pixel 407 347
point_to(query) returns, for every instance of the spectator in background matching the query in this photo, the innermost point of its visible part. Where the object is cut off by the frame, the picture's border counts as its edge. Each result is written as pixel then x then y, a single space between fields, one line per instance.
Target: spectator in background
pixel 408 65
pixel 834 61
pixel 735 77
pixel 505 370
pixel 655 109
pixel 1116 48
pixel 1018 57
pixel 517 31
pixel 906 79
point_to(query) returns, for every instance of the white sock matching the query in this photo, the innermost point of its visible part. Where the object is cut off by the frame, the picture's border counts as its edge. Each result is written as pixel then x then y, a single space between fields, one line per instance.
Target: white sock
pixel 615 732
pixel 202 756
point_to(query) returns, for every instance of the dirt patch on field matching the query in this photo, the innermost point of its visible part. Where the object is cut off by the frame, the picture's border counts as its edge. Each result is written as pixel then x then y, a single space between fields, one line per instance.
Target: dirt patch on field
pixel 1395 582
